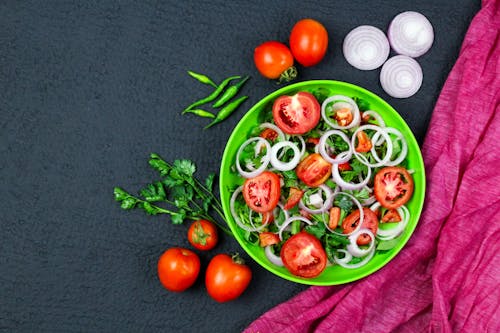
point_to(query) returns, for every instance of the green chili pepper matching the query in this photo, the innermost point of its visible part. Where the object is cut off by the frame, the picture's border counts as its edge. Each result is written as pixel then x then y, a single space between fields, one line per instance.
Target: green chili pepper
pixel 213 95
pixel 227 111
pixel 202 113
pixel 202 78
pixel 230 93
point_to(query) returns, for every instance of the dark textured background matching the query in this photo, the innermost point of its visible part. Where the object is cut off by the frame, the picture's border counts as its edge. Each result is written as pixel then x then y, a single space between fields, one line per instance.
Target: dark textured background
pixel 88 89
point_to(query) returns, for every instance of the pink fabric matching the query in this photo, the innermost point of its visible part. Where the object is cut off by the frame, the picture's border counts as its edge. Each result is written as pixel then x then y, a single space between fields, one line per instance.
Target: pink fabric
pixel 447 278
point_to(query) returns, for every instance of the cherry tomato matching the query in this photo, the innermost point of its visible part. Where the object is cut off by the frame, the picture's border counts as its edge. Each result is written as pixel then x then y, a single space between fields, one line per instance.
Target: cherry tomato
pixel 370 221
pixel 393 187
pixel 364 143
pixel 293 198
pixel 268 238
pixel 274 60
pixel 313 170
pixel 334 218
pixel 297 114
pixel 262 193
pixel 178 269
pixel 303 255
pixel 202 234
pixel 308 42
pixel 227 277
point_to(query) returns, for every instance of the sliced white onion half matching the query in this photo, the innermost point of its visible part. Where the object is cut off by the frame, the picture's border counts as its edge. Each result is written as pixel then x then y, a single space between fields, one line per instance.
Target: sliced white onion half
pixel 384 135
pixel 337 178
pixel 353 247
pixel 235 215
pixel 281 135
pixel 290 220
pixel 345 263
pixel 272 257
pixel 366 47
pixel 356 117
pixel 323 149
pixel 282 146
pixel 400 137
pixel 323 205
pixel 264 160
pixel 411 34
pixel 401 76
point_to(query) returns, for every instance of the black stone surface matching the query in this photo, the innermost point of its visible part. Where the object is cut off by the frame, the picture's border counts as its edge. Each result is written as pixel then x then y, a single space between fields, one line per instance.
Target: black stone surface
pixel 89 88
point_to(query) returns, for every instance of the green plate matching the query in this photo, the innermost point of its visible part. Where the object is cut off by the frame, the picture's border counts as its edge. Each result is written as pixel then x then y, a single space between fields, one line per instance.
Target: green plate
pixel 332 275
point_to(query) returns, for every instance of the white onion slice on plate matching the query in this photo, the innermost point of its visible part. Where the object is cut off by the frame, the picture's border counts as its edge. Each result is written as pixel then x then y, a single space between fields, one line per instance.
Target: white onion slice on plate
pixel 356 117
pixel 322 148
pixel 265 159
pixel 401 76
pixel 325 205
pixel 281 146
pixel 404 146
pixel 344 262
pixel 366 47
pixel 289 221
pixel 281 135
pixel 374 114
pixel 411 34
pixel 361 214
pixel 384 135
pixel 388 234
pixel 353 247
pixel 272 257
pixel 347 185
pixel 235 216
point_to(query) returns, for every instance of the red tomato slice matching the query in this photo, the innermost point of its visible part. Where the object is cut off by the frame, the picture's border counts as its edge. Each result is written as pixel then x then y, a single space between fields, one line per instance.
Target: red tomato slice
pixel 293 198
pixel 364 142
pixel 303 255
pixel 268 238
pixel 297 114
pixel 334 218
pixel 370 221
pixel 391 215
pixel 269 134
pixel 262 193
pixel 314 170
pixel 393 187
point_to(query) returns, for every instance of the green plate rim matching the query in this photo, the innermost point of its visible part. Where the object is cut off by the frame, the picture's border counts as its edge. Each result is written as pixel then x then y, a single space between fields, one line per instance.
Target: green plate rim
pixel 361 272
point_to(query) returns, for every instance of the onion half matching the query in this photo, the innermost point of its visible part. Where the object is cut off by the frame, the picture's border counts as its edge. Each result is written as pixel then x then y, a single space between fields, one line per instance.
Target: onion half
pixel 366 47
pixel 411 34
pixel 401 76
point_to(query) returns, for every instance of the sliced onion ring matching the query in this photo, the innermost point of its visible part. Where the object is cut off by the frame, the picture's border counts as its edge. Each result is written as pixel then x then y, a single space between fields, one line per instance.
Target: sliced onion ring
pixel 327 203
pixel 265 159
pixel 353 247
pixel 401 76
pixel 366 47
pixel 290 220
pixel 404 148
pixel 361 214
pixel 342 262
pixel 411 34
pixel 387 234
pixel 281 135
pixel 356 117
pixel 272 257
pixel 346 185
pixel 284 166
pixel 235 216
pixel 386 137
pixel 322 149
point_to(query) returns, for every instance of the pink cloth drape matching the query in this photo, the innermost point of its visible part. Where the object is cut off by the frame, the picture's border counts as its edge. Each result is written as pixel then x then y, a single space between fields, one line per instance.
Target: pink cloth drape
pixel 447 278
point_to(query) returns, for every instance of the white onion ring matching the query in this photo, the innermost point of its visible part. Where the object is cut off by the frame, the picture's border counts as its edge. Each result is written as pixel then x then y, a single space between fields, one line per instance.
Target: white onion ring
pixel 411 34
pixel 290 220
pixel 277 163
pixel 281 135
pixel 356 117
pixel 401 76
pixel 346 185
pixel 345 260
pixel 375 115
pixel 265 159
pixel 272 257
pixel 386 137
pixel 363 262
pixel 353 247
pixel 235 216
pixel 327 203
pixel 366 47
pixel 404 148
pixel 361 214
pixel 322 147
pixel 387 234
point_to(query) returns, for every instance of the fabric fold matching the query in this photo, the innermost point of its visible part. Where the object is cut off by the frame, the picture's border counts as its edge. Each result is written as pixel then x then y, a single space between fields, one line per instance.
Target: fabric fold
pixel 447 277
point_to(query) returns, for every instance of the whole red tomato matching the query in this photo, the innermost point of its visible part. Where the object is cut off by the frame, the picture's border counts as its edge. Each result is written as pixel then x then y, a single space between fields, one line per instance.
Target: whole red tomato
pixel 202 234
pixel 227 277
pixel 178 269
pixel 308 42
pixel 274 61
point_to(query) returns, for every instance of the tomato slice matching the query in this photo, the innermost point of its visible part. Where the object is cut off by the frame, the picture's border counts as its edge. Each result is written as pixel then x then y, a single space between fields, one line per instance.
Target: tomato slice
pixel 262 193
pixel 303 255
pixel 343 116
pixel 391 215
pixel 314 170
pixel 293 198
pixel 297 114
pixel 269 134
pixel 268 238
pixel 334 219
pixel 370 221
pixel 364 142
pixel 393 187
